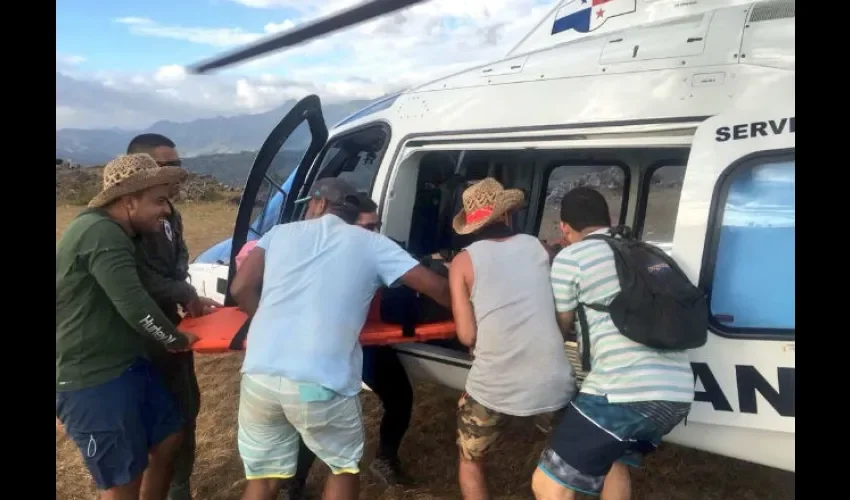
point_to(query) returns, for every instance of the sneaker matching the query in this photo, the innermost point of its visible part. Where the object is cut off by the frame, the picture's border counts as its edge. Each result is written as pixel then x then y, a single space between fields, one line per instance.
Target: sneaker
pixel 388 471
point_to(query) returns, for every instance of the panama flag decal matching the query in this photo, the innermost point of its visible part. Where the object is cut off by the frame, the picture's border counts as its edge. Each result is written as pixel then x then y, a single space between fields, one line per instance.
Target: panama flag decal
pixel 585 16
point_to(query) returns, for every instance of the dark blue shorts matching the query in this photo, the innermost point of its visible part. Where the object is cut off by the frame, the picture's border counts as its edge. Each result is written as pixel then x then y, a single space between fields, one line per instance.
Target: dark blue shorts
pixel 593 434
pixel 116 423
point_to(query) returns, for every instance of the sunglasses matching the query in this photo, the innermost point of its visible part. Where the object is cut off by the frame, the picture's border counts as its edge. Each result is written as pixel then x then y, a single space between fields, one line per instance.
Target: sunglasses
pixel 172 163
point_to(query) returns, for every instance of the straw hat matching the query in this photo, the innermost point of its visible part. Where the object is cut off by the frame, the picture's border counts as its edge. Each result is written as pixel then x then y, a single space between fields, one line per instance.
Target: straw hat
pixel 483 203
pixel 129 174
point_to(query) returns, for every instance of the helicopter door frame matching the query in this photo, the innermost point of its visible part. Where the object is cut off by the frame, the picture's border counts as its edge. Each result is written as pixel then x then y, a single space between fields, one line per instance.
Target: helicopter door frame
pixel 744 376
pixel 308 109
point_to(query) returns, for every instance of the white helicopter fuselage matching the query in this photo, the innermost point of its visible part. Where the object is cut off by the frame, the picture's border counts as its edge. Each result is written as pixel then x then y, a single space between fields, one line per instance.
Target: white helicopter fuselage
pixel 708 89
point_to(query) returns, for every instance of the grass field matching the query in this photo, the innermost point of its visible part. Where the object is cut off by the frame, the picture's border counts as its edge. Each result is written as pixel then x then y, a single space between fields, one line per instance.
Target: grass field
pixel 428 450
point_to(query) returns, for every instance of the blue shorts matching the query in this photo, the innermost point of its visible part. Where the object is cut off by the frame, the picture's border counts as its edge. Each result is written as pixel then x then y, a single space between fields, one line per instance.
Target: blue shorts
pixel 593 434
pixel 116 423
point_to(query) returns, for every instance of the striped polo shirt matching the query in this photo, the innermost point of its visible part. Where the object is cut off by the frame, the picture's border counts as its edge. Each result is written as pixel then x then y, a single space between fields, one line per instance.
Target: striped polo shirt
pixel 621 369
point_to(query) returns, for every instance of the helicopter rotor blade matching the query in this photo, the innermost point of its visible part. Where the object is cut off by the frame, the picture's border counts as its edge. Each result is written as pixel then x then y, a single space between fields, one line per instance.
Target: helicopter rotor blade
pixel 309 30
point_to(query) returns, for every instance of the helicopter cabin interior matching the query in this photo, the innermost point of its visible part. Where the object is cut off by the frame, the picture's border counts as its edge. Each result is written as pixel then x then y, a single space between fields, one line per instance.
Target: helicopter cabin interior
pixel 642 185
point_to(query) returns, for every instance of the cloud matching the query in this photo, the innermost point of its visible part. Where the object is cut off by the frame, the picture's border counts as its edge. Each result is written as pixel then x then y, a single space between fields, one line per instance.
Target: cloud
pixel 135 101
pixel 313 6
pixel 215 37
pixel 68 62
pixel 268 4
pixel 170 74
pixel 276 27
pixel 406 48
pixel 422 39
pixel 86 103
pixel 69 59
pixel 65 114
pixel 268 92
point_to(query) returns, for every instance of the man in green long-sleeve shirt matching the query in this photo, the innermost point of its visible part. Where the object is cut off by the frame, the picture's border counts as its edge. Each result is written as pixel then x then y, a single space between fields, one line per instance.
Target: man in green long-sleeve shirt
pixel 109 398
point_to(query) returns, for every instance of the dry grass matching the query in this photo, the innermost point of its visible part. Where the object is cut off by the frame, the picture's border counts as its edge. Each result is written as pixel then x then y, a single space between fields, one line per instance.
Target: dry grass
pixel 428 450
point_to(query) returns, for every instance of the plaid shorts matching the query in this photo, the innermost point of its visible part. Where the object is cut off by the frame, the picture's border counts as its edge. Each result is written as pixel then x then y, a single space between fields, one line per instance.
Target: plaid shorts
pixel 274 411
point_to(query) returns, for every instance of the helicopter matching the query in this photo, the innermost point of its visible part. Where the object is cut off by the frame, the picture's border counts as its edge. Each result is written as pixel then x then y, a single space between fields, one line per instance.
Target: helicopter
pixel 682 113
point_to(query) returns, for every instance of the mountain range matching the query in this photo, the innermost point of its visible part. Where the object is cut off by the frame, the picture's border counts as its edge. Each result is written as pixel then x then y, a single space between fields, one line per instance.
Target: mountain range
pixel 205 136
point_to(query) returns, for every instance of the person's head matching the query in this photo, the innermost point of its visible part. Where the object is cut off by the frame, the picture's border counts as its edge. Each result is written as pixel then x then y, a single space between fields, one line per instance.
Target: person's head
pixel 487 203
pixel 160 148
pixel 368 218
pixel 583 210
pixel 332 195
pixel 136 191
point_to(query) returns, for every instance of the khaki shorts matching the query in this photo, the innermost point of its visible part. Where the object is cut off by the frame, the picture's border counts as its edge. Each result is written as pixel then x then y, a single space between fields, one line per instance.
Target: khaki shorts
pixel 478 427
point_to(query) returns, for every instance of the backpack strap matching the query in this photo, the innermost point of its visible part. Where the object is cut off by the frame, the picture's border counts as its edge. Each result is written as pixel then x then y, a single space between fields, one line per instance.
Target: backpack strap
pixel 580 310
pixel 585 337
pixel 596 307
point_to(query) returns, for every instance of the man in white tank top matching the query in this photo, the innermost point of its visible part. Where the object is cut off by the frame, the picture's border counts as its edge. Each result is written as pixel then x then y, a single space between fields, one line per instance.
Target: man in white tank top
pixel 504 311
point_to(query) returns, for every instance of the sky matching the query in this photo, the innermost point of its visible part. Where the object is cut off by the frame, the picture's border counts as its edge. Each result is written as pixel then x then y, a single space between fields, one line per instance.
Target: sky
pixel 121 63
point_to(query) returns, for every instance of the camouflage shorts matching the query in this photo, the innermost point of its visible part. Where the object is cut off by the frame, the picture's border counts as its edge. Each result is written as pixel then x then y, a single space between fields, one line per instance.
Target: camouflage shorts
pixel 478 427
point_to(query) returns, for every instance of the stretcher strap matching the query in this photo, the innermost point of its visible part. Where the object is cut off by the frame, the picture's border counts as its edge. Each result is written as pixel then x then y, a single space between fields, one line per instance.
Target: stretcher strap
pixel 238 341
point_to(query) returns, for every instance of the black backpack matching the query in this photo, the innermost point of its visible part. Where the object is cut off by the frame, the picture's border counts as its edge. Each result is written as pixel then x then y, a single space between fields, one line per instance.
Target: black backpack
pixel 401 305
pixel 657 306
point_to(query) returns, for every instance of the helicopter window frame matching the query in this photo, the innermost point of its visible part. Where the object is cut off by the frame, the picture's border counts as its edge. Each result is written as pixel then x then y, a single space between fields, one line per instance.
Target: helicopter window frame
pixel 713 243
pixel 333 142
pixel 552 163
pixel 644 197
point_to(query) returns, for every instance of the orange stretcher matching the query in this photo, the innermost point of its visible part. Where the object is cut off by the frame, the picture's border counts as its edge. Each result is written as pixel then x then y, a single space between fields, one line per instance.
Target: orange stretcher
pixel 225 330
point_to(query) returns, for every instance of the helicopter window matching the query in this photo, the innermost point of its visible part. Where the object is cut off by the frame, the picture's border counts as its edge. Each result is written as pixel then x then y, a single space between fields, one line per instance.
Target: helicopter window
pixel 363 168
pixel 440 179
pixel 663 191
pixel 609 180
pixel 355 157
pixel 751 275
pixel 272 193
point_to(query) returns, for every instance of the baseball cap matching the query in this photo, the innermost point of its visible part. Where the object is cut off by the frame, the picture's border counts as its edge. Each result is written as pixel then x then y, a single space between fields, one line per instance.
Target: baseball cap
pixel 335 190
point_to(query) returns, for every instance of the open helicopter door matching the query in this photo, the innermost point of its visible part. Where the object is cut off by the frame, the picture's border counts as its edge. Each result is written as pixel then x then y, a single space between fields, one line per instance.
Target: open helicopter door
pixel 298 137
pixel 735 236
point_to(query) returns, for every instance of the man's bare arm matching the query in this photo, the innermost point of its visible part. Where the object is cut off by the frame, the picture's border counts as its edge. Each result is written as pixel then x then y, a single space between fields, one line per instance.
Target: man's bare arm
pixel 565 322
pixel 423 280
pixel 460 274
pixel 248 282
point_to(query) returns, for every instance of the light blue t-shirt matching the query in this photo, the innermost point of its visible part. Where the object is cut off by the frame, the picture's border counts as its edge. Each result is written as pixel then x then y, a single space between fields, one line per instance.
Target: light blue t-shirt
pixel 320 278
